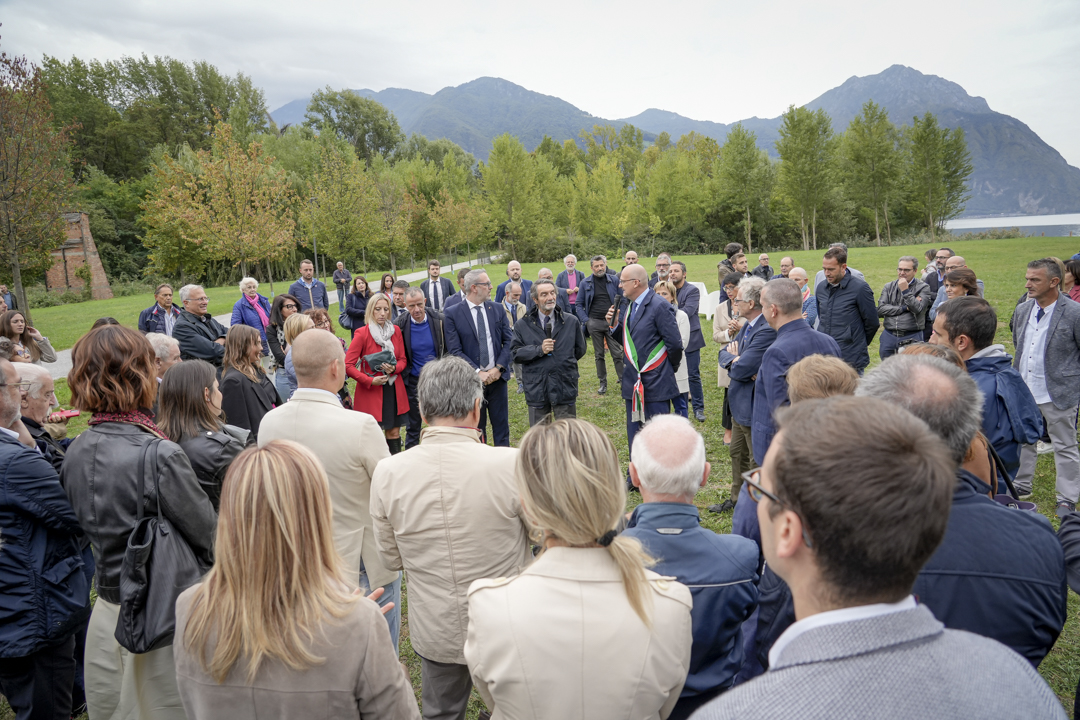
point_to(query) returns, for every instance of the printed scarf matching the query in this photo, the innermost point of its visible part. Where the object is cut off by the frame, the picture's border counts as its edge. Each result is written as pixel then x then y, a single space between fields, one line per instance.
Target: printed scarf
pixel 137 418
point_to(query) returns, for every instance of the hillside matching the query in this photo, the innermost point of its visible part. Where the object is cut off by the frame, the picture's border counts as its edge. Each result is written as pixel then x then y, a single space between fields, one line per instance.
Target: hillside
pixel 1015 172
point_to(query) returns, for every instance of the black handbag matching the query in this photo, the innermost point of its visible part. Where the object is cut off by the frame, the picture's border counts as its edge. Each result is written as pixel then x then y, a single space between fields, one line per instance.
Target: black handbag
pixel 158 565
pixel 345 320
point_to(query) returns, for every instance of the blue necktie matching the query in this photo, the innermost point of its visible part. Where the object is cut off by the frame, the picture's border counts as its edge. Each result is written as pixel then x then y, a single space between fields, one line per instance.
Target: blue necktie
pixel 482 336
pixel 1039 315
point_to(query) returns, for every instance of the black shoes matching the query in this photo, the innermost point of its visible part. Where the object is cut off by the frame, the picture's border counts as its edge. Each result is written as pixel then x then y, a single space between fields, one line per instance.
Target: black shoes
pixel 700 415
pixel 722 507
pixel 603 387
pixel 1063 509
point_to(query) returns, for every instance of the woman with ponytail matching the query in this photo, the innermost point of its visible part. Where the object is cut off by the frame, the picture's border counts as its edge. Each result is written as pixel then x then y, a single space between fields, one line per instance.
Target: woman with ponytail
pixel 586 631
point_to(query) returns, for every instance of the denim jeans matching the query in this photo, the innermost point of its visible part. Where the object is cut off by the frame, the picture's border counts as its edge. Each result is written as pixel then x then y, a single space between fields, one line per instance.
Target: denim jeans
pixel 281 384
pixel 391 594
pixel 693 374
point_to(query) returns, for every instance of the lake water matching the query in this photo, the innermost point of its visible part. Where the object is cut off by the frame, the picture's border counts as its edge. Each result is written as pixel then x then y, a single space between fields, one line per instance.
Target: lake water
pixel 1048 225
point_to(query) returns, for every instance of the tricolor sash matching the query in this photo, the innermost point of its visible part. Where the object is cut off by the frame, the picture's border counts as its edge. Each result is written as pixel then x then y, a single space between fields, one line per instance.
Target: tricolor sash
pixel 657 356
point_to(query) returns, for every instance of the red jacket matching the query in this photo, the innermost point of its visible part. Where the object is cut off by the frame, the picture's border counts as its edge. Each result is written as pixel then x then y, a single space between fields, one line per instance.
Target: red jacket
pixel 369 398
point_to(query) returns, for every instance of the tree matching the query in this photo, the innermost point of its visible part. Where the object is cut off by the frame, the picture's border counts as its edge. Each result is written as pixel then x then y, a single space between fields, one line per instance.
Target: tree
pixel 807 151
pixel 392 236
pixel 364 123
pixel 238 207
pixel 743 172
pixel 937 171
pixel 871 159
pixel 342 211
pixel 509 181
pixel 35 173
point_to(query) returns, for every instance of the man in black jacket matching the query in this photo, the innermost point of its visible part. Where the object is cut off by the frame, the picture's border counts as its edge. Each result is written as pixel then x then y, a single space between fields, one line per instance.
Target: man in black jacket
pixel 598 294
pixel 903 307
pixel 422 332
pixel 547 345
pixel 846 309
pixel 201 337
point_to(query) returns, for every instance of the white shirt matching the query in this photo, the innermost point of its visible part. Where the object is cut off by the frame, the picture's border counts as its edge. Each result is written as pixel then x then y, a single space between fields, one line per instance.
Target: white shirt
pixel 1033 354
pixel 436 293
pixel 487 328
pixel 834 617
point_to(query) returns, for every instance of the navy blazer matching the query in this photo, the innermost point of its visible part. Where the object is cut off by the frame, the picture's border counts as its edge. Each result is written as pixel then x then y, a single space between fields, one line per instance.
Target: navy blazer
pixel 447 291
pixel 152 318
pixel 500 292
pixel 315 297
pixel 689 299
pixel 793 342
pixel 459 332
pixel 589 292
pixel 651 323
pixel 562 280
pixel 753 342
pixel 453 300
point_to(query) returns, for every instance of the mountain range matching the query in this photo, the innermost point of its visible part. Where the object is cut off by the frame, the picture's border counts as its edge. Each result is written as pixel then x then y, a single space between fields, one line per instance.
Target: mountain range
pixel 1015 172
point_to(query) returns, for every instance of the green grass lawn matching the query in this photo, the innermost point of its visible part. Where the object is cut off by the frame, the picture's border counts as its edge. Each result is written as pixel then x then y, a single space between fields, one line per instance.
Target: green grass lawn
pixel 999 263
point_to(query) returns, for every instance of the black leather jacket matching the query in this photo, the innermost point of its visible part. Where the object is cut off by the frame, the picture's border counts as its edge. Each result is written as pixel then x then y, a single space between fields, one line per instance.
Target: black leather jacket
pixel 903 313
pixel 211 452
pixel 101 475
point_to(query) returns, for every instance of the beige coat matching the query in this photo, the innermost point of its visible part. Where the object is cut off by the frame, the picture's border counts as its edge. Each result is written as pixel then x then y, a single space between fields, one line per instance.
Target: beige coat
pixel 448 513
pixel 721 336
pixel 360 678
pixel 561 641
pixel 350 444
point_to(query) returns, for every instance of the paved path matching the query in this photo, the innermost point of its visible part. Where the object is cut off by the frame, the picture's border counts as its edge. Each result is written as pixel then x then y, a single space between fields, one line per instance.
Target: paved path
pixel 62 366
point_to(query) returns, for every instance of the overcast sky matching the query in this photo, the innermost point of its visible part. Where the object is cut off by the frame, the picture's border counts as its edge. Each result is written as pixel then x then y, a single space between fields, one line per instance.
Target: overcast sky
pixel 720 61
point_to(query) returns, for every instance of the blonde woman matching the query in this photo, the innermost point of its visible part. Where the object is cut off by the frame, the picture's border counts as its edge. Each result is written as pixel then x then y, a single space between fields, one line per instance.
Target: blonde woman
pixel 378 390
pixel 277 628
pixel 725 325
pixel 666 290
pixel 294 325
pixel 586 631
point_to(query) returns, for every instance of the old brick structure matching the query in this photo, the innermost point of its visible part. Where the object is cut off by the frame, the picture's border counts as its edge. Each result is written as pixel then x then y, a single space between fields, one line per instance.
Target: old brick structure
pixel 78 250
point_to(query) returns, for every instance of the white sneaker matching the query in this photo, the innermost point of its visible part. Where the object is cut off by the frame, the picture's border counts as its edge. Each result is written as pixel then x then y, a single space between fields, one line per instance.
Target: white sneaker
pixel 1044 447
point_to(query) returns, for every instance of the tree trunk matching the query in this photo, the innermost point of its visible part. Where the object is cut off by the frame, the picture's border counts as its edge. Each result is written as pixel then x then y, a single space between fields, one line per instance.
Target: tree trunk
pixel 748 247
pixel 363 252
pixel 393 266
pixel 802 227
pixel 270 276
pixel 16 280
pixel 888 228
pixel 877 226
pixel 813 227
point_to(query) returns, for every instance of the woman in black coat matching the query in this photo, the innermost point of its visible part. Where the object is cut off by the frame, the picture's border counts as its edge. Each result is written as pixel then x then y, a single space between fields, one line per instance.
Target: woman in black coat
pixel 246 392
pixel 284 306
pixel 189 413
pixel 356 302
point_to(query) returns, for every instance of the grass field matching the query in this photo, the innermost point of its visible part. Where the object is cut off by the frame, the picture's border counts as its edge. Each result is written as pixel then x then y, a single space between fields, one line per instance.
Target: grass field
pixel 999 263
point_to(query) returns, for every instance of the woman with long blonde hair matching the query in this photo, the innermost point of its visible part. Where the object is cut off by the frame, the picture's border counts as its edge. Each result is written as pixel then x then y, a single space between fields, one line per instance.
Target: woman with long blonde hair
pixel 277 629
pixel 380 392
pixel 599 634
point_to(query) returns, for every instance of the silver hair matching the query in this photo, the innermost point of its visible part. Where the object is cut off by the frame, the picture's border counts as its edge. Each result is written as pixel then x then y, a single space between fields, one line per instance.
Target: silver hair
pixel 598 257
pixel 750 287
pixel 512 285
pixel 547 270
pixel 785 294
pixel 801 272
pixel 933 390
pixel 471 278
pixel 680 468
pixel 448 388
pixel 534 291
pixel 570 256
pixel 248 280
pixel 185 292
pixel 413 291
pixel 911 259
pixel 161 343
pixel 35 375
pixel 663 255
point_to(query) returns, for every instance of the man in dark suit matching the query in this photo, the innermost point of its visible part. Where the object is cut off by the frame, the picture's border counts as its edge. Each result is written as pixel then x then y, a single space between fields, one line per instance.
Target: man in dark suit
pixel 201 337
pixel 513 273
pixel 309 290
pixel 397 299
pixel 460 295
pixel 436 289
pixel 563 301
pixel 422 332
pixel 742 359
pixel 476 330
pixel 650 333
pixel 570 280
pixel 598 295
pixel 689 298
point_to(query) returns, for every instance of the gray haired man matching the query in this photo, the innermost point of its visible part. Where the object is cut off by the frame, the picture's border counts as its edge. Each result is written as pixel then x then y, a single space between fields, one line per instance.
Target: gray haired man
pixel 201 337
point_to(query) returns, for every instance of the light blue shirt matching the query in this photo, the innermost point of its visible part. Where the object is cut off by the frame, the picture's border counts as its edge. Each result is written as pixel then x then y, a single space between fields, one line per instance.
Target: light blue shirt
pixel 1032 365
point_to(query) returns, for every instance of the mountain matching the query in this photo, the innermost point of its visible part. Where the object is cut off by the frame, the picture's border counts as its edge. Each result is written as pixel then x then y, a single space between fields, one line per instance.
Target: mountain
pixel 1015 172
pixel 475 113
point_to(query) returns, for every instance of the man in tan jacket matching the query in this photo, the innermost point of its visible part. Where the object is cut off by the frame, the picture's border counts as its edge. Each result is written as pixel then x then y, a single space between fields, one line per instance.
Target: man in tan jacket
pixel 350 444
pixel 448 513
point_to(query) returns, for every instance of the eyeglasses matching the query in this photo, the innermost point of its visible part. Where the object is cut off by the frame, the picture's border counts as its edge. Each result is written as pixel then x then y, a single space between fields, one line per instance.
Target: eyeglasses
pixel 487 284
pixel 663 264
pixel 757 492
pixel 24 386
pixel 289 306
pixel 324 324
pixel 943 257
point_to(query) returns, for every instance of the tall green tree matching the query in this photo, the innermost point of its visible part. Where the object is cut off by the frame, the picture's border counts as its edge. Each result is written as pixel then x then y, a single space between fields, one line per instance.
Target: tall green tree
pixel 937 170
pixel 35 173
pixel 807 149
pixel 872 162
pixel 743 173
pixel 341 213
pixel 364 123
pixel 510 185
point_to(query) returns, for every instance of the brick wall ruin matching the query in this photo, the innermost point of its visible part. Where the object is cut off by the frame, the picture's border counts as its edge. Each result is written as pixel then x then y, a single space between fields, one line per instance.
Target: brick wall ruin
pixel 78 250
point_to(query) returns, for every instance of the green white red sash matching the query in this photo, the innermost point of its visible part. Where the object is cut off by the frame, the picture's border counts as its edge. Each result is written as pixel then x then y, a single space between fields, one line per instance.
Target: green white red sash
pixel 656 357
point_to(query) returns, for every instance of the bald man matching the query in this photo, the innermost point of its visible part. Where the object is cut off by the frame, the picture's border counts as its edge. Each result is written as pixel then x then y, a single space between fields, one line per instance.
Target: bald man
pixel 513 274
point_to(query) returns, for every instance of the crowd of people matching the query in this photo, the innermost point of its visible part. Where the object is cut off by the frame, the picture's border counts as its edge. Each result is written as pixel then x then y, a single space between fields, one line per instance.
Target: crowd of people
pixel 247 522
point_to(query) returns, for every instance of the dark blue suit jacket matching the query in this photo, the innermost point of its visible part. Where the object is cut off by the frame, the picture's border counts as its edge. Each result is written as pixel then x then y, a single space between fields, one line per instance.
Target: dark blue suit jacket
pixel 459 332
pixel 453 300
pixel 753 342
pixel 500 292
pixel 689 299
pixel 652 322
pixel 589 291
pixel 447 291
pixel 793 342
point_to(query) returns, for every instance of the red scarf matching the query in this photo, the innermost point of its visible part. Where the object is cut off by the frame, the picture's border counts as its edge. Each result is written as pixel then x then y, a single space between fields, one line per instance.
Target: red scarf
pixel 137 418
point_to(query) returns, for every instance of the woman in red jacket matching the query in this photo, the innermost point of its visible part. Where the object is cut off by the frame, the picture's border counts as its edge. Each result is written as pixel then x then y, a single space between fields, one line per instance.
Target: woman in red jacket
pixel 380 391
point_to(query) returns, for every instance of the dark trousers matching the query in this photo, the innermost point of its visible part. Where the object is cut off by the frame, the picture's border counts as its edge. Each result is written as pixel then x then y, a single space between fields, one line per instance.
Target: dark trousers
pixel 687 705
pixel 538 413
pixel 890 343
pixel 662 407
pixel 444 689
pixel 496 406
pixel 412 433
pixel 725 413
pixel 693 374
pixel 598 331
pixel 742 456
pixel 38 686
pixel 680 405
